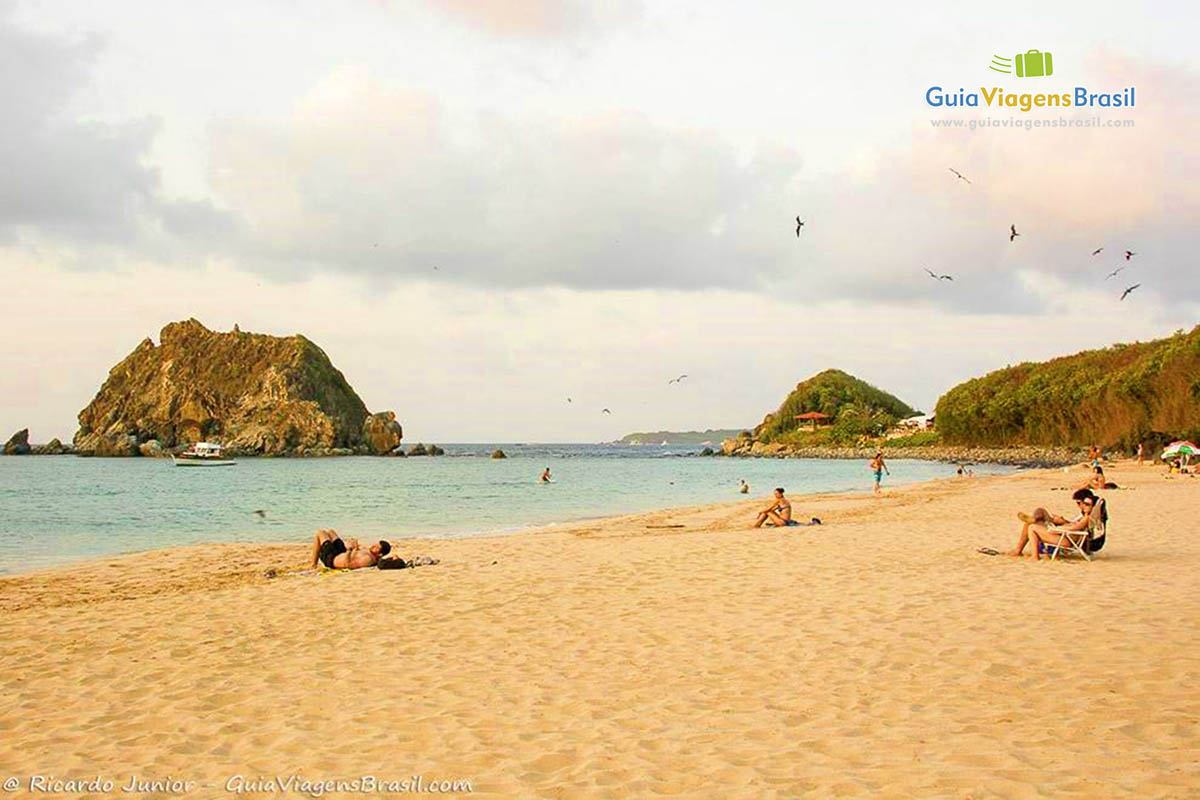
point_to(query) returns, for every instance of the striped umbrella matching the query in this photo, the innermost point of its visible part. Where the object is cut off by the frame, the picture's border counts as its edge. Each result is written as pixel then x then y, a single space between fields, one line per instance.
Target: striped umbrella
pixel 1180 448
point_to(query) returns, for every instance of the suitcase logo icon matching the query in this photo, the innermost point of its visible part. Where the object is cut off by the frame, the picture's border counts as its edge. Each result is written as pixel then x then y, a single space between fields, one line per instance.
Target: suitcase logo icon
pixel 1030 64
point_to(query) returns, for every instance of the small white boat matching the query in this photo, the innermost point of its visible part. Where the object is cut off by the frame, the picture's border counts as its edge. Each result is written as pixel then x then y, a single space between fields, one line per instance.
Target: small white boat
pixel 202 454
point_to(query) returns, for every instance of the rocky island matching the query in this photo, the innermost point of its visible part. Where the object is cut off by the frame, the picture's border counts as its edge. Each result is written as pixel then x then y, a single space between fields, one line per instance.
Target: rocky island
pixel 255 394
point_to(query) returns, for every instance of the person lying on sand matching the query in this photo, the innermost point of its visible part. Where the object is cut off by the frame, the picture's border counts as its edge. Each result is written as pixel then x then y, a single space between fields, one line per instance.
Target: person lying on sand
pixel 330 550
pixel 1037 526
pixel 780 513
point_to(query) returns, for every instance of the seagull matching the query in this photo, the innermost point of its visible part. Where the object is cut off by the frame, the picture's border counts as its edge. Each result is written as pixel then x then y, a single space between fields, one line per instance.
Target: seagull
pixel 937 277
pixel 1096 252
pixel 1125 293
pixel 961 177
pixel 676 380
pixel 799 225
pixel 1012 232
pixel 1113 274
pixel 1129 254
pixel 605 411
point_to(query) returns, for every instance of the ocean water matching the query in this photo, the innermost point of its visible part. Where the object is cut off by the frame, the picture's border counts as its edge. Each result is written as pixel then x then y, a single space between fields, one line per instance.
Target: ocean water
pixel 55 509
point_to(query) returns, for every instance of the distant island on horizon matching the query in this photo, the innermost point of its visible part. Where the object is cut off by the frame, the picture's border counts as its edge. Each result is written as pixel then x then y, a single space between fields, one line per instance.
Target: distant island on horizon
pixel 710 437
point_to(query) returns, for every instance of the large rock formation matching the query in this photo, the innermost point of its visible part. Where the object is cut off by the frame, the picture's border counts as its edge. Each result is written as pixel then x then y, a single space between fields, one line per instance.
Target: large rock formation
pixel 382 433
pixel 18 444
pixel 254 393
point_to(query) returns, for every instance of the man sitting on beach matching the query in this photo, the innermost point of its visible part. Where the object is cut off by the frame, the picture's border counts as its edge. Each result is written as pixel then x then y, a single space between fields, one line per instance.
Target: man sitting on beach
pixel 331 551
pixel 780 513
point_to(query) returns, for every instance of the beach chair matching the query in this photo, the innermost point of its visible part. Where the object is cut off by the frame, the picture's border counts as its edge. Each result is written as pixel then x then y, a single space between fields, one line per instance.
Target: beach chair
pixel 1078 542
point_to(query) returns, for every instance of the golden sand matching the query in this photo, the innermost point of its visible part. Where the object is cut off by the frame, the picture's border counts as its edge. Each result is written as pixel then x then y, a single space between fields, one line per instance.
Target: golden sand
pixel 878 655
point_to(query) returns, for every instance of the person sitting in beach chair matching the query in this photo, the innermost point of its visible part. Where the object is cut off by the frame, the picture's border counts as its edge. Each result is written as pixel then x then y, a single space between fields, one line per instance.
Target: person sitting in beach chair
pixel 333 553
pixel 1084 534
pixel 779 513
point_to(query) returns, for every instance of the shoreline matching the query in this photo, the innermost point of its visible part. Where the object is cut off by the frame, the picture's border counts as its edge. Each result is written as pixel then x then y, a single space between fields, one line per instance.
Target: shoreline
pixel 500 531
pixel 1034 457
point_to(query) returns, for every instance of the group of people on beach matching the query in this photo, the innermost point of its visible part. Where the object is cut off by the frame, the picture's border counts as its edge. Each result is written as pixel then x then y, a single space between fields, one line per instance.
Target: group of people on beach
pixel 1046 531
pixel 779 513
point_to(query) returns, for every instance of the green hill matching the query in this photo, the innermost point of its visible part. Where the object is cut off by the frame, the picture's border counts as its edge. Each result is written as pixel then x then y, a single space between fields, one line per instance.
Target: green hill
pixel 1113 397
pixel 857 408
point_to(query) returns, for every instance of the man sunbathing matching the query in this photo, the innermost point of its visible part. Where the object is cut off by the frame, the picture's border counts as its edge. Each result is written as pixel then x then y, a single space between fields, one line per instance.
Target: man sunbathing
pixel 331 551
pixel 1037 526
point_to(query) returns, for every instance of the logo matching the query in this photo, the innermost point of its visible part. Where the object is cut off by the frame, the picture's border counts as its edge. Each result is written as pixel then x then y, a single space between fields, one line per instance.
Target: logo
pixel 1030 64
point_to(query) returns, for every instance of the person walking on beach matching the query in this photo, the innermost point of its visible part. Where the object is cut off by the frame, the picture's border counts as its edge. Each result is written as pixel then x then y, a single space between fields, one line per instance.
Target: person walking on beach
pixel 879 467
pixel 331 551
pixel 1141 454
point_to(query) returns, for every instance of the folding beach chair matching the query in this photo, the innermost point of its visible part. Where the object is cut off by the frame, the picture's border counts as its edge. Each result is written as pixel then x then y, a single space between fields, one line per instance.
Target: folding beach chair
pixel 1078 542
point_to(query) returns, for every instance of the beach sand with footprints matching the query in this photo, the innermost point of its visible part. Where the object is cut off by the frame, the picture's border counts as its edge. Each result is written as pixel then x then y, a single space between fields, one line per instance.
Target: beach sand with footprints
pixel 876 655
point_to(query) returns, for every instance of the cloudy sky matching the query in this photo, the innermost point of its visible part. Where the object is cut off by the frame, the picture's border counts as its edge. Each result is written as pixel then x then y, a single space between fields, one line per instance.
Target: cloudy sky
pixel 481 208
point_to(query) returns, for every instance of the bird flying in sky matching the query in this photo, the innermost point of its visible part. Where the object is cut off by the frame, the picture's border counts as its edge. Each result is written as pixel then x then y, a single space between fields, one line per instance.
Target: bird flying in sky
pixel 1129 254
pixel 961 177
pixel 1113 274
pixel 1096 252
pixel 676 380
pixel 1125 293
pixel 1012 232
pixel 605 411
pixel 937 277
pixel 799 225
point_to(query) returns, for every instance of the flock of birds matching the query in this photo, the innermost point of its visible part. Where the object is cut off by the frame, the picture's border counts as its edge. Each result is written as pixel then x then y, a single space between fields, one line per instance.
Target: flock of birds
pixel 1013 233
pixel 679 379
pixel 1012 236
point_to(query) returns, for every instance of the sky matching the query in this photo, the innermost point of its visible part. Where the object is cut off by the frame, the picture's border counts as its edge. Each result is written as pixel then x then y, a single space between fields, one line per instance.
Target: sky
pixel 480 209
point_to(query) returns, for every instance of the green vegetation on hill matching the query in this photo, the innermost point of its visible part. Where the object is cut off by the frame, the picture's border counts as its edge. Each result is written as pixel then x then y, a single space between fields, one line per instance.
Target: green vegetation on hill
pixel 858 410
pixel 1118 396
pixel 680 437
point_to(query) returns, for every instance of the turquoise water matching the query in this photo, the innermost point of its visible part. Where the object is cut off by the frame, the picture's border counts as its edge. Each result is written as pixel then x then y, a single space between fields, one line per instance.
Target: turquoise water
pixel 62 508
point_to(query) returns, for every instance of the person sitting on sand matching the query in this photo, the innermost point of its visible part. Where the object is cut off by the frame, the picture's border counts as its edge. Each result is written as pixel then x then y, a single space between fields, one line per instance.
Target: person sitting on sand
pixel 780 513
pixel 330 550
pixel 1095 480
pixel 1037 527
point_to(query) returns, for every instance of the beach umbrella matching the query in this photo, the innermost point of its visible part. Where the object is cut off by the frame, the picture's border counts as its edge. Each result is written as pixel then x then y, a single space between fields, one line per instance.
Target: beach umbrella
pixel 1180 448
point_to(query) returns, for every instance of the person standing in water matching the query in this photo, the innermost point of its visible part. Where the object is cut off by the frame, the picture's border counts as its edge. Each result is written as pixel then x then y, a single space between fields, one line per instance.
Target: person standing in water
pixel 546 475
pixel 745 487
pixel 879 467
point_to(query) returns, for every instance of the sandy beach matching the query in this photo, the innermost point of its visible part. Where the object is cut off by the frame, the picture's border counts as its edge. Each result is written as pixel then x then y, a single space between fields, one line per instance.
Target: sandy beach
pixel 878 655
